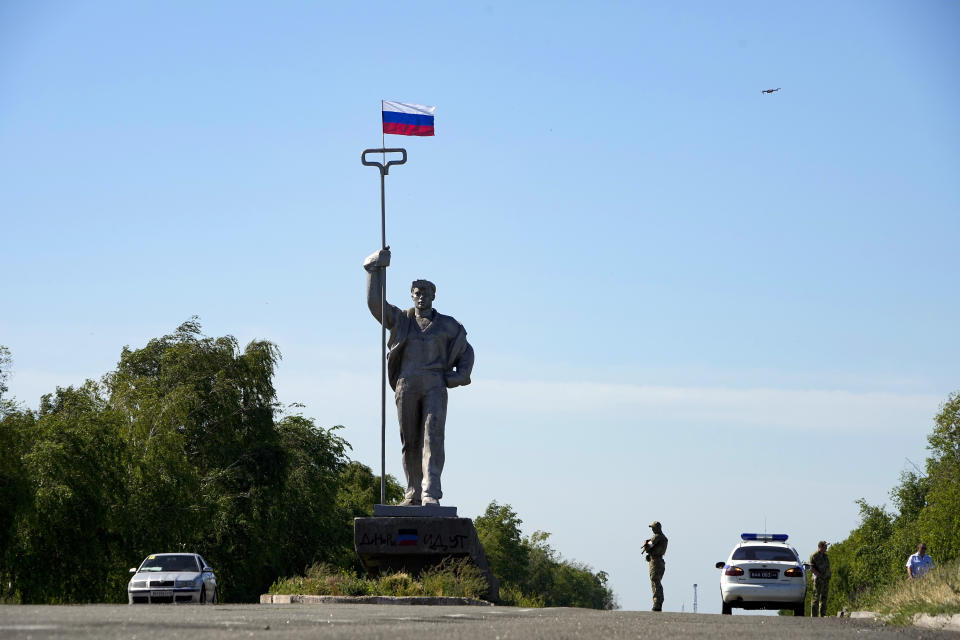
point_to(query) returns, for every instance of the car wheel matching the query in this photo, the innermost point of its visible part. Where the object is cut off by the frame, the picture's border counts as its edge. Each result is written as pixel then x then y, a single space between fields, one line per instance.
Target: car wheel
pixel 798 610
pixel 726 609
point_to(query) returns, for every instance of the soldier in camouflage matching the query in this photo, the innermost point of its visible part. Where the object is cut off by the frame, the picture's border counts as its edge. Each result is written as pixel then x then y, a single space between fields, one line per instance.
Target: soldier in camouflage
pixel 655 547
pixel 820 566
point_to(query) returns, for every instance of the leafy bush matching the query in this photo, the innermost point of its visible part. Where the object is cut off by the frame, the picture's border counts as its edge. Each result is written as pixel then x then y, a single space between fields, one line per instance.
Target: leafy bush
pixel 510 594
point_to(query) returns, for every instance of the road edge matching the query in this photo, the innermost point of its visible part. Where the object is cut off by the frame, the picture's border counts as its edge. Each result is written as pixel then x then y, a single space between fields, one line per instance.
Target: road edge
pixel 277 598
pixel 941 622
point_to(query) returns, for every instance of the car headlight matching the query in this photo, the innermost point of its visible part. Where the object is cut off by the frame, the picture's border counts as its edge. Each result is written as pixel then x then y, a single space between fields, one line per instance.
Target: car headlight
pixel 138 584
pixel 193 582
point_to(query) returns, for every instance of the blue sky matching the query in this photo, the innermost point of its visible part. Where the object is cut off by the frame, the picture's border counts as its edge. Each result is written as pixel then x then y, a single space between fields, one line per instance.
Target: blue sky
pixel 689 301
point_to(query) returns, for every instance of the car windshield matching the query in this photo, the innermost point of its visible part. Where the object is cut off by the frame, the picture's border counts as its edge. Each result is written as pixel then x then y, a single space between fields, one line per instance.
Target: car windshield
pixel 776 554
pixel 170 563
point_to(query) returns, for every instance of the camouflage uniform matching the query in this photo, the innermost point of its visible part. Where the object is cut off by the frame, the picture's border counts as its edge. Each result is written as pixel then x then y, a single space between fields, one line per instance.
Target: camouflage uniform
pixel 655 547
pixel 821 583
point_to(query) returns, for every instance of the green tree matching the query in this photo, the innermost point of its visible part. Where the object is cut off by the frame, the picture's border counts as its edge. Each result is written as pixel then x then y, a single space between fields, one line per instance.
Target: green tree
pixel 203 411
pixel 499 532
pixel 15 424
pixel 308 525
pixel 939 521
pixel 864 562
pixel 944 441
pixel 182 448
pixel 7 405
pixel 531 572
pixel 258 493
pixel 910 496
pixel 358 489
pixel 5 361
pixel 68 535
pixel 564 583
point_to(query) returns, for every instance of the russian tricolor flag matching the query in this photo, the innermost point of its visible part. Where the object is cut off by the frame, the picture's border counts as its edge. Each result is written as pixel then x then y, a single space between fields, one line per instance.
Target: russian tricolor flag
pixel 406 119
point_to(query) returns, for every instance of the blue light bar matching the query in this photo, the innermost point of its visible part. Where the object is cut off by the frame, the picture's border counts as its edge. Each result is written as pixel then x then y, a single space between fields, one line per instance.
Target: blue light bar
pixel 764 537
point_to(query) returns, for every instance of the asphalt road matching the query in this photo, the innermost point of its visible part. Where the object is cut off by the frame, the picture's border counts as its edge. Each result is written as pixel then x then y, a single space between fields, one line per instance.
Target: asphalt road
pixel 398 622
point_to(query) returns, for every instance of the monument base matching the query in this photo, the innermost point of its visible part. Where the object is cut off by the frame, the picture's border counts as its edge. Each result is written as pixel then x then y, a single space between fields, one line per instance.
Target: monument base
pixel 413 543
pixel 420 510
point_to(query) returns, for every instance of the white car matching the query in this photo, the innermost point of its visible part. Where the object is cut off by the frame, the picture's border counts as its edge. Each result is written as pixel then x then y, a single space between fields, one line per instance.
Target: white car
pixel 763 572
pixel 172 578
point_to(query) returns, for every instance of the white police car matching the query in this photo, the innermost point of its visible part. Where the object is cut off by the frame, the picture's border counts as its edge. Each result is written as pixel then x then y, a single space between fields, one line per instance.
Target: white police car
pixel 763 572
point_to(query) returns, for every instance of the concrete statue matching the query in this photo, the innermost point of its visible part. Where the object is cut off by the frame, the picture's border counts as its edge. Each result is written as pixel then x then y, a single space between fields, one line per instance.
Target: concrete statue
pixel 428 353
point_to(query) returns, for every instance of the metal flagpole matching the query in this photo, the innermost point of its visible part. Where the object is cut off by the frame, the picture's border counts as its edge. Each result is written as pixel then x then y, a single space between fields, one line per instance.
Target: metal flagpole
pixel 384 168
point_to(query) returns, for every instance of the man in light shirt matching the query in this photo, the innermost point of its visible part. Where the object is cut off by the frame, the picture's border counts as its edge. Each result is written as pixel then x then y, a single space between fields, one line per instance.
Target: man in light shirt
pixel 919 563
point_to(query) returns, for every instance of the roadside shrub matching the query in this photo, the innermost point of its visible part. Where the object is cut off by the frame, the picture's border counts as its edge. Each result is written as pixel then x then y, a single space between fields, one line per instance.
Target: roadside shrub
pixel 400 584
pixel 453 578
pixel 458 578
pixel 512 596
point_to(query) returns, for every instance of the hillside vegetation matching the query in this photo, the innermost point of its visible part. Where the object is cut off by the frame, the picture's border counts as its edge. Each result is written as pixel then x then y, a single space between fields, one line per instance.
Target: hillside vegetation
pixel 185 447
pixel 869 569
pixel 938 592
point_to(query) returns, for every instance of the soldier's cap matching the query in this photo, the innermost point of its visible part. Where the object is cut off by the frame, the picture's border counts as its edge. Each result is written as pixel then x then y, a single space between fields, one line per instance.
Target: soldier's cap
pixel 822 543
pixel 654 524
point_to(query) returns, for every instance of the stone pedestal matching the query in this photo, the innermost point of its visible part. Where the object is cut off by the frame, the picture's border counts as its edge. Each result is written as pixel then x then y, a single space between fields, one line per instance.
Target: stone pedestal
pixel 412 543
pixel 420 510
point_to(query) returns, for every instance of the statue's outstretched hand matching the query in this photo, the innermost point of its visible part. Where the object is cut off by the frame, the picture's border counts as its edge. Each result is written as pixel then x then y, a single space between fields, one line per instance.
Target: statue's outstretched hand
pixel 377 259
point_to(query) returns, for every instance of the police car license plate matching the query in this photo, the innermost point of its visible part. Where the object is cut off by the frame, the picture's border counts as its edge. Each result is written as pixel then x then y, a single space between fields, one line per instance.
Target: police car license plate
pixel 768 574
pixel 161 594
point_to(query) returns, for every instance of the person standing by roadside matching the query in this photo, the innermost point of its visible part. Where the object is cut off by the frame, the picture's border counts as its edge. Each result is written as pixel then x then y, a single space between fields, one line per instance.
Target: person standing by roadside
pixel 655 548
pixel 919 563
pixel 820 566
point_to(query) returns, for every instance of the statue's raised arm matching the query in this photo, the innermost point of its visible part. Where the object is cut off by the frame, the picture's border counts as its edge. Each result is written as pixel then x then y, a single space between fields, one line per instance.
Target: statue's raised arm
pixel 375 265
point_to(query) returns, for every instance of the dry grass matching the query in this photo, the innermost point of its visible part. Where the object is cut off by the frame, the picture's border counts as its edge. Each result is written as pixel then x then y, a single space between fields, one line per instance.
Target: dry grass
pixel 936 592
pixel 453 578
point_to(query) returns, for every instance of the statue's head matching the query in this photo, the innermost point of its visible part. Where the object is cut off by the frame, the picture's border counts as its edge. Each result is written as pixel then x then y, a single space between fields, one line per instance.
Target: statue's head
pixel 423 292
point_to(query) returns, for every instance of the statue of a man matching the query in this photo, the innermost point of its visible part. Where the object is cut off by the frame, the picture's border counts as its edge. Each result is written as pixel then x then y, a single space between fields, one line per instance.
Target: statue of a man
pixel 429 353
